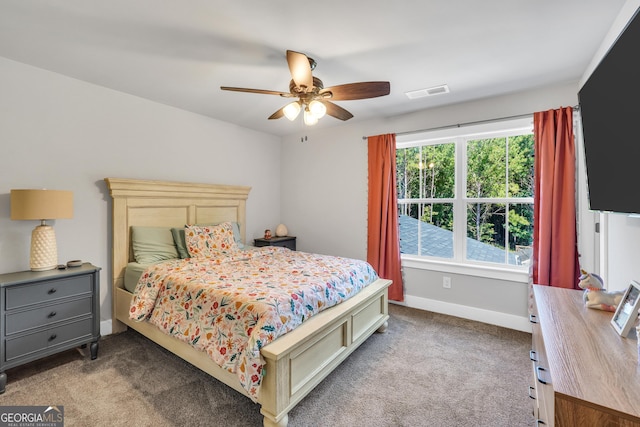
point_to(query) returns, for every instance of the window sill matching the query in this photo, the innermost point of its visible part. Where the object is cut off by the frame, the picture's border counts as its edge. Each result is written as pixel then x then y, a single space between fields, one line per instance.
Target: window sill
pixel 500 273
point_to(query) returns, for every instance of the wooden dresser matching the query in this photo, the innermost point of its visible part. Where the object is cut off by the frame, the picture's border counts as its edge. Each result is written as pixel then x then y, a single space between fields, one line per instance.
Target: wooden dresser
pixel 585 374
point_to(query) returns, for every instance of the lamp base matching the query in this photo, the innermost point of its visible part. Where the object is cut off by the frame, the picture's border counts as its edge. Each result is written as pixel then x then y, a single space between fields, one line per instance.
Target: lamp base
pixel 44 252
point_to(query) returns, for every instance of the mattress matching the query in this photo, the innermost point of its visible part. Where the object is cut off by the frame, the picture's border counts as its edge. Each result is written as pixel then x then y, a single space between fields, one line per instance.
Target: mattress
pixel 132 274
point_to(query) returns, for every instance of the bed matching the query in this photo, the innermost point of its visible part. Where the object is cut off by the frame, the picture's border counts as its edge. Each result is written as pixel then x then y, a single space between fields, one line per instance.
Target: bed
pixel 294 362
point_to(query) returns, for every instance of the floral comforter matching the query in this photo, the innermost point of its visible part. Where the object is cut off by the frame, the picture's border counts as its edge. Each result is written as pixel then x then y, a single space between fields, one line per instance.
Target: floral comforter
pixel 233 305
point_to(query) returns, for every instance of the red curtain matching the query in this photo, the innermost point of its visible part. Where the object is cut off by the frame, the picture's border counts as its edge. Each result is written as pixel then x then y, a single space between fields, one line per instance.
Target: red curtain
pixel 383 240
pixel 555 252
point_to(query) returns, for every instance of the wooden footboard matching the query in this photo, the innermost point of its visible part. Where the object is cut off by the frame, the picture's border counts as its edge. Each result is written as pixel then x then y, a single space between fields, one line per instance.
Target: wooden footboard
pixel 296 362
pixel 301 359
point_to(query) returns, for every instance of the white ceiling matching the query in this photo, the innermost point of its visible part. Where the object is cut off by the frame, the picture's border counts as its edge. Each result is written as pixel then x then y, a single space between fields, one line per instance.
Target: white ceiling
pixel 179 53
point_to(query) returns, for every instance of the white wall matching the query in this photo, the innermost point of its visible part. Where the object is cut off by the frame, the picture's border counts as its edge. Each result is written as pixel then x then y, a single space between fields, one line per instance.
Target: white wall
pixel 324 201
pixel 65 134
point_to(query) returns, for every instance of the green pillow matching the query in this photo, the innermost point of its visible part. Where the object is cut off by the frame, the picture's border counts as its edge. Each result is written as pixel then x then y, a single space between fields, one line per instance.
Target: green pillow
pixel 179 239
pixel 181 244
pixel 152 244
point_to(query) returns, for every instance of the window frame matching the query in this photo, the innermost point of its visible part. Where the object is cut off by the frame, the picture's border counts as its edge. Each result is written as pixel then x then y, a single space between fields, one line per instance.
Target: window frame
pixel 460 134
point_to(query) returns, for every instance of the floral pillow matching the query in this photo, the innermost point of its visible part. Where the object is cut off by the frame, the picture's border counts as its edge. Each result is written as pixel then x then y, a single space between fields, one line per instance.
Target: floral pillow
pixel 204 241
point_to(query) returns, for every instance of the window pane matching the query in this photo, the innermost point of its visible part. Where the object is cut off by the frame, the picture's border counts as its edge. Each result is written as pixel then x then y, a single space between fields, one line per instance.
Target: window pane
pixel 520 233
pixel 486 229
pixel 408 172
pixel 438 170
pixel 426 229
pixel 521 166
pixel 487 232
pixel 487 168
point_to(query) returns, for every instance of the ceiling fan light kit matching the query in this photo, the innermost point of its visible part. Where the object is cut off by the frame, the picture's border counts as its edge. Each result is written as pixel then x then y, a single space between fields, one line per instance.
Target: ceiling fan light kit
pixel 313 97
pixel 309 118
pixel 292 110
pixel 317 108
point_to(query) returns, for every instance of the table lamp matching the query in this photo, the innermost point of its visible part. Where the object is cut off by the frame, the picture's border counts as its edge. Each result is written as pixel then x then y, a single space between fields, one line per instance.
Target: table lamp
pixel 42 205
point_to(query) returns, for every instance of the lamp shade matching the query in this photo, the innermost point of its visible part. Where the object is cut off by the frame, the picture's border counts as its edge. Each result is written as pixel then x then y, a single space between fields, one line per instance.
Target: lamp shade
pixel 41 204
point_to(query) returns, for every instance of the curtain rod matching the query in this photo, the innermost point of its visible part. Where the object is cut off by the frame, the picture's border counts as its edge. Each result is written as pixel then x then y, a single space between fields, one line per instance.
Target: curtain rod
pixel 520 116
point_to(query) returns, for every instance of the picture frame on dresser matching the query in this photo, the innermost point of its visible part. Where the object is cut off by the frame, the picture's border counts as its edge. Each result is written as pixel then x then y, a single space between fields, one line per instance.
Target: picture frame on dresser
pixel 626 314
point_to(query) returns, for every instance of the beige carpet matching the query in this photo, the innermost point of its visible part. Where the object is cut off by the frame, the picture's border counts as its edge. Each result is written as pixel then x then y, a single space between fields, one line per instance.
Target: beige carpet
pixel 426 370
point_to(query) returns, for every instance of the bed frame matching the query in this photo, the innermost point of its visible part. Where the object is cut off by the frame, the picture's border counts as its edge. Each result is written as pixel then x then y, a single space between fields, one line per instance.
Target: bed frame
pixel 296 362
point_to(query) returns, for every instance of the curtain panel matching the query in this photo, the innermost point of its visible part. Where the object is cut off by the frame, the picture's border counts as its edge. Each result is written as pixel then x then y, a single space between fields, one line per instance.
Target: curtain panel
pixel 555 253
pixel 383 240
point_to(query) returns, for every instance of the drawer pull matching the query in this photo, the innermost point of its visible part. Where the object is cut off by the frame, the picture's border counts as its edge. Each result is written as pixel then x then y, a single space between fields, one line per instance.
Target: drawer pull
pixel 52 291
pixel 52 314
pixel 533 318
pixel 539 374
pixel 53 337
pixel 532 356
pixel 530 390
pixel 540 422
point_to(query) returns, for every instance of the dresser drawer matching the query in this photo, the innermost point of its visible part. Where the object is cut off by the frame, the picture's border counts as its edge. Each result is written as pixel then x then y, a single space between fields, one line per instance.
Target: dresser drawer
pixel 38 341
pixel 39 292
pixel 19 321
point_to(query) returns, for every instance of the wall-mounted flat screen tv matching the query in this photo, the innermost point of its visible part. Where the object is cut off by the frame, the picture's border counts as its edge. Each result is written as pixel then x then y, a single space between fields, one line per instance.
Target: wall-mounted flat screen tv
pixel 610 109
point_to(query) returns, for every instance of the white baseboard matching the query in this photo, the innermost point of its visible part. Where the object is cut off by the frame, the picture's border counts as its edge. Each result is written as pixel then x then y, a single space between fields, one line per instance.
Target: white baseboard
pixel 105 327
pixel 505 320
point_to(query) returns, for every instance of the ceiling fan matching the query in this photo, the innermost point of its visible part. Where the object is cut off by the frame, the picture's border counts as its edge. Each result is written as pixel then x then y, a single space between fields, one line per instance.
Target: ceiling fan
pixel 313 98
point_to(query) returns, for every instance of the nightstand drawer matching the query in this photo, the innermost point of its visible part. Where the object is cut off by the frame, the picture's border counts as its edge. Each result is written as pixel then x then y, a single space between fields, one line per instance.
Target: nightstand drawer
pixel 41 316
pixel 38 341
pixel 36 293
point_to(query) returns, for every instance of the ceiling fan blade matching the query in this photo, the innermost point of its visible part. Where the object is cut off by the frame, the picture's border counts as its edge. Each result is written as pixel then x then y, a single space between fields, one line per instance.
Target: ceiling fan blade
pixel 360 90
pixel 337 111
pixel 300 69
pixel 277 114
pixel 267 92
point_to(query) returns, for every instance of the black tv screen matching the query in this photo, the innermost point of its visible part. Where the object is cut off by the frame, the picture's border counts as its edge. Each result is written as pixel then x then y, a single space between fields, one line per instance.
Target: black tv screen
pixel 610 108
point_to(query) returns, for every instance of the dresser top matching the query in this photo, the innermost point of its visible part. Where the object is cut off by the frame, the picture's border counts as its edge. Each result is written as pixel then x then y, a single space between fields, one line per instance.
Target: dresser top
pixel 588 359
pixel 34 276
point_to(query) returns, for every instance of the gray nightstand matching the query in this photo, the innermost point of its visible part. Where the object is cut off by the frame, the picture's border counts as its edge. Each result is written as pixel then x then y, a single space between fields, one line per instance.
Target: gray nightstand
pixel 285 241
pixel 45 312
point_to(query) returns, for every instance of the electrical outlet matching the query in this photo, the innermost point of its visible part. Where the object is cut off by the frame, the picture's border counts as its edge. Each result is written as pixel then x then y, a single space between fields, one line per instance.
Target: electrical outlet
pixel 446 282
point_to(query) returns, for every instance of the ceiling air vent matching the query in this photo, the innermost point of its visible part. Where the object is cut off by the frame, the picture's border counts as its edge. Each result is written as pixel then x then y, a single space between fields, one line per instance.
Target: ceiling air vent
pixel 421 93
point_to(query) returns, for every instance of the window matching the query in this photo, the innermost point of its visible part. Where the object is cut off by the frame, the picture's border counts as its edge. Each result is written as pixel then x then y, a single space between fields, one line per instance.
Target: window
pixel 465 195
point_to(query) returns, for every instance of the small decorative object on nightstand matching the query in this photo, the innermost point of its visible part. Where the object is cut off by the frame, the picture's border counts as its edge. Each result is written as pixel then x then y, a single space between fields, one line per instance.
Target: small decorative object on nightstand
pixel 45 312
pixel 281 230
pixel 285 241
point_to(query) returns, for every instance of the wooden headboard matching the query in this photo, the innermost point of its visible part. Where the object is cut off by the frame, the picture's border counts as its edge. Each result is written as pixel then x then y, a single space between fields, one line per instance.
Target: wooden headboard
pixel 168 204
